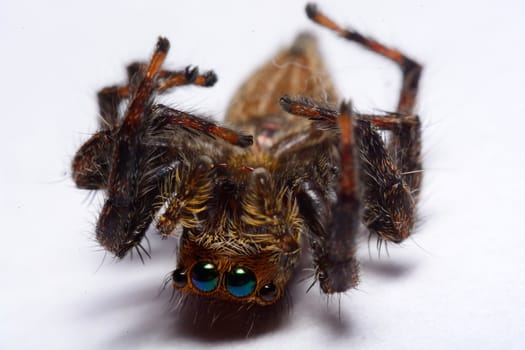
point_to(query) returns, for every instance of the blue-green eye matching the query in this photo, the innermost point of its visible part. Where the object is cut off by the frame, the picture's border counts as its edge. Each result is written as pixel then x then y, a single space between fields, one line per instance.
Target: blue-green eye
pixel 240 282
pixel 205 276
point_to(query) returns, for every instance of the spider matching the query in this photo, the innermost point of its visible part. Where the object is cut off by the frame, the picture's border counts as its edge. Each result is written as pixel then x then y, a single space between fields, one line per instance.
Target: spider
pixel 301 173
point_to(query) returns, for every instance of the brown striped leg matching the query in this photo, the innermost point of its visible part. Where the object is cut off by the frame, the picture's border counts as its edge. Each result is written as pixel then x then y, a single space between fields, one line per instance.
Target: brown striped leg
pixel 93 161
pixel 199 124
pixel 410 68
pixel 334 222
pixel 391 176
pixel 131 197
pixel 109 98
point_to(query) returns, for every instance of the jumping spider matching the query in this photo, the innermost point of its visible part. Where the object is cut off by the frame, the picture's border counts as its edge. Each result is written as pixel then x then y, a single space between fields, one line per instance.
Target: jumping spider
pixel 247 203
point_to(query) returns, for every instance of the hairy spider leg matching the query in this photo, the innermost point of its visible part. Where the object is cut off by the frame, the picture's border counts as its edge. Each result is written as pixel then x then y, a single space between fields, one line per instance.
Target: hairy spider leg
pixel 200 124
pixel 109 98
pixel 410 68
pixel 405 141
pixel 388 204
pixel 342 120
pixel 91 162
pixel 168 79
pixel 348 157
pixel 334 242
pixel 126 214
pixel 405 149
pixel 130 159
pixel 392 183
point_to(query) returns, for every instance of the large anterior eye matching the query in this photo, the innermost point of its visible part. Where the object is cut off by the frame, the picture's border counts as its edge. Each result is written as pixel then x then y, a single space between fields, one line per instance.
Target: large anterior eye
pixel 205 276
pixel 240 282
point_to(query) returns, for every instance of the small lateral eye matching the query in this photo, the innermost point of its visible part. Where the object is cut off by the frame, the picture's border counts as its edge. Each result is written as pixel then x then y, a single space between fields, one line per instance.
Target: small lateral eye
pixel 180 279
pixel 205 276
pixel 240 282
pixel 268 292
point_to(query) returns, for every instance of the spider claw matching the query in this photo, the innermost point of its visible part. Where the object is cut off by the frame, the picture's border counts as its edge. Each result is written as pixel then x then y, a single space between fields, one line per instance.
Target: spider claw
pixel 163 44
pixel 210 78
pixel 191 73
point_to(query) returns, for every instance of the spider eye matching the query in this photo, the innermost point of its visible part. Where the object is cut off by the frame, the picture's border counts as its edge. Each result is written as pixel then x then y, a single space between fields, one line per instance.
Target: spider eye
pixel 268 292
pixel 205 276
pixel 240 282
pixel 180 279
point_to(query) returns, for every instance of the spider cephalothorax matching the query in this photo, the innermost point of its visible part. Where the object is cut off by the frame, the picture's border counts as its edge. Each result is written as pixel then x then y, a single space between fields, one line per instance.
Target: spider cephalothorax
pixel 250 223
pixel 304 172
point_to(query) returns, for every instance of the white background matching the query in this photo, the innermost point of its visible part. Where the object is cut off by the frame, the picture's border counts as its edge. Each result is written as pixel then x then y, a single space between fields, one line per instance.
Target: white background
pixel 458 283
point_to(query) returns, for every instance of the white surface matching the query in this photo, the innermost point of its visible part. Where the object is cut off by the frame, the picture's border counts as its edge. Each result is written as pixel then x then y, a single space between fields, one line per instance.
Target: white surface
pixel 457 284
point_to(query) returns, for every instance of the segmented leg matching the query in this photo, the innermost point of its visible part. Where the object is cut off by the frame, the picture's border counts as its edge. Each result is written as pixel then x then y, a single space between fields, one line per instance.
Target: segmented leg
pixel 334 221
pixel 109 98
pixel 192 122
pixel 405 149
pixel 129 159
pixel 405 141
pixel 128 209
pixel 168 79
pixel 391 179
pixel 410 68
pixel 388 205
pixel 91 163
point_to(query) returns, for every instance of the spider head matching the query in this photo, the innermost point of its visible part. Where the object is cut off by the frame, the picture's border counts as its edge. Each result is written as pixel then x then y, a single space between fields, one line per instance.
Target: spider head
pixel 229 276
pixel 245 254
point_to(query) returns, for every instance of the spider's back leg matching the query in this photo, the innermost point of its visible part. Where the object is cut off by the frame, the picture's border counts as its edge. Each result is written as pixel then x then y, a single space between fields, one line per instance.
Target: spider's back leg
pixel 410 68
pixel 390 174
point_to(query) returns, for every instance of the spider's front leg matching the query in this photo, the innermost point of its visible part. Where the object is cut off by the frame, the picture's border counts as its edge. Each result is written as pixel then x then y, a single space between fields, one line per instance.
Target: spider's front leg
pixel 164 152
pixel 404 148
pixel 91 164
pixel 328 191
pixel 130 159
